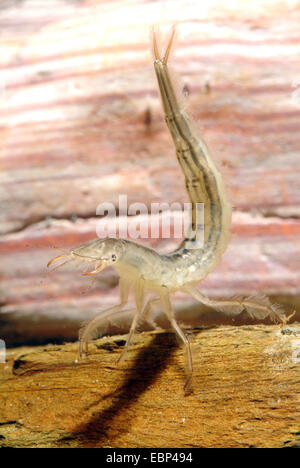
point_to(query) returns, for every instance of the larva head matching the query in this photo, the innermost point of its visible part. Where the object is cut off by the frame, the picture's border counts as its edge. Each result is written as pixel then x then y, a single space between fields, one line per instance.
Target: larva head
pixel 102 252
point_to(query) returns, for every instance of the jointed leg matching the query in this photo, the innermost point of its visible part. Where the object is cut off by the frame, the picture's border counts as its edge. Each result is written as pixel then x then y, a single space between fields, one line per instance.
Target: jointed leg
pixel 259 307
pixel 139 314
pixel 93 324
pixel 193 291
pixel 165 299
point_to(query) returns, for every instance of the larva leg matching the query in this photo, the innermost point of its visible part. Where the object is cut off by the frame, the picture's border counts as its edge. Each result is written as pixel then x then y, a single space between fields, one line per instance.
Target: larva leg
pixel 139 299
pixel 259 307
pixel 210 302
pixel 167 306
pixel 87 331
pixel 137 317
pixel 151 303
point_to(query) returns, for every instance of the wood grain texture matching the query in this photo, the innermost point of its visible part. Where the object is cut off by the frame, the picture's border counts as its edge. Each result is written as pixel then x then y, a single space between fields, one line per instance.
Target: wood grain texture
pixel 260 249
pixel 78 80
pixel 81 122
pixel 246 392
pixel 264 254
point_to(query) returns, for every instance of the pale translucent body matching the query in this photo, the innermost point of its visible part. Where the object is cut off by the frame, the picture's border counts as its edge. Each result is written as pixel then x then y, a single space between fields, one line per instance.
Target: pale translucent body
pixel 143 269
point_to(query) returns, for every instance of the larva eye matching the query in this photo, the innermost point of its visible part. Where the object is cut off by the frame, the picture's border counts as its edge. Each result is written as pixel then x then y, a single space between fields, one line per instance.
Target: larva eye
pixel 114 257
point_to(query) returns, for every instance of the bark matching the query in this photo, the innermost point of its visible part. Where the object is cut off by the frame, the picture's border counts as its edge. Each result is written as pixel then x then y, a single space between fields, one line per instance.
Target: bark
pixel 246 394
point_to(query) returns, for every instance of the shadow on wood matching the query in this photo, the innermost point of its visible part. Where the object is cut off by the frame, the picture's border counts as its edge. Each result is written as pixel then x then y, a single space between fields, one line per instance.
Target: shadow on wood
pixel 246 383
pixel 148 365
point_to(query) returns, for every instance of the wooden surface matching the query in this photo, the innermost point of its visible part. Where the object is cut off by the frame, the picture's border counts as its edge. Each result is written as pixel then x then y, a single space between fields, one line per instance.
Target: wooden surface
pixel 78 80
pixel 81 122
pixel 246 382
